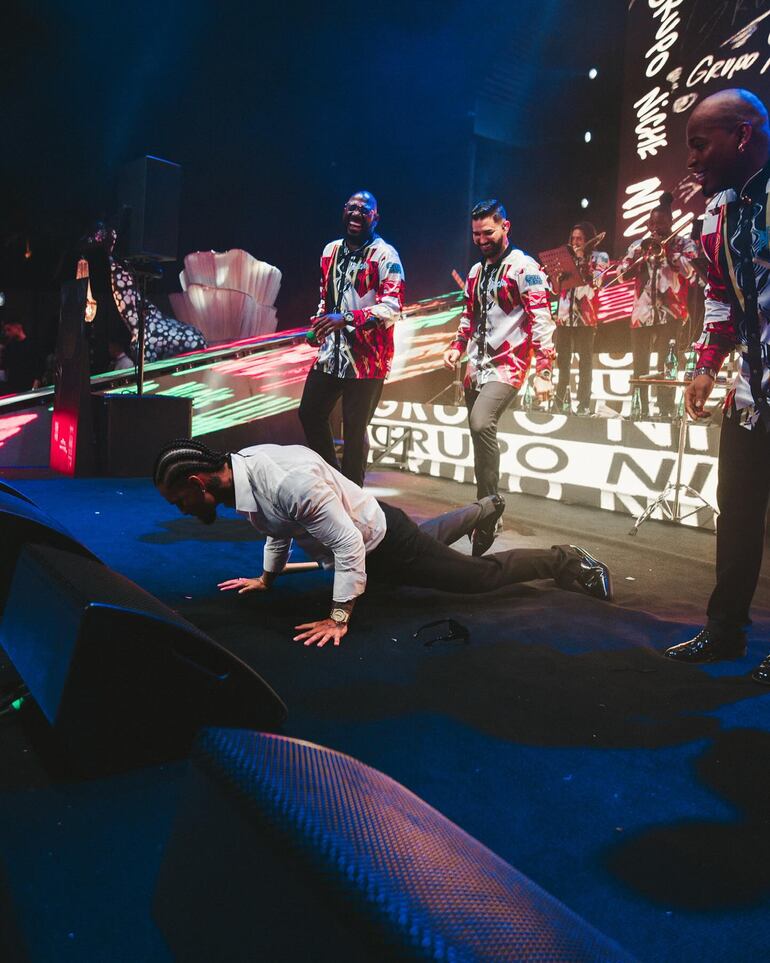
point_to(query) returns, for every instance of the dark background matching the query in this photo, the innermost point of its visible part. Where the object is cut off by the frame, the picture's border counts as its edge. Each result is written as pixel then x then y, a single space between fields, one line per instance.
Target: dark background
pixel 278 112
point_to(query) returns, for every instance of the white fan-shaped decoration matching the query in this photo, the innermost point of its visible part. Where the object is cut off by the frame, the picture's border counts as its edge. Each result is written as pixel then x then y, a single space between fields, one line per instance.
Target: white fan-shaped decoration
pixel 228 296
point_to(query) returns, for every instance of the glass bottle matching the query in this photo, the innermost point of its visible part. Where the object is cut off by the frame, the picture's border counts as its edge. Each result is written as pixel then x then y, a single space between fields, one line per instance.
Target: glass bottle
pixel 671 366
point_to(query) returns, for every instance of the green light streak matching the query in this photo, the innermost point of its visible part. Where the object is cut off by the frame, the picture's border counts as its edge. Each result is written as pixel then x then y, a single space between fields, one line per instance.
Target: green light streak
pixel 434 320
pixel 241 412
pixel 201 394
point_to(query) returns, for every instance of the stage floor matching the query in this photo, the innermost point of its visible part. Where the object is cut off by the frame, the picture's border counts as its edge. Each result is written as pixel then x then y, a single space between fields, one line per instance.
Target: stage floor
pixel 632 789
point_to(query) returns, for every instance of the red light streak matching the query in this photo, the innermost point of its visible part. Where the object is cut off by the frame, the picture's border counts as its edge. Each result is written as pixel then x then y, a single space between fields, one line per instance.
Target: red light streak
pixel 12 424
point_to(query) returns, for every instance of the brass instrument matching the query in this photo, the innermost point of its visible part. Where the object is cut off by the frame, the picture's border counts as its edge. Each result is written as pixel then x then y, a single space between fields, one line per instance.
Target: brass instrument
pixel 584 261
pixel 596 240
pixel 653 251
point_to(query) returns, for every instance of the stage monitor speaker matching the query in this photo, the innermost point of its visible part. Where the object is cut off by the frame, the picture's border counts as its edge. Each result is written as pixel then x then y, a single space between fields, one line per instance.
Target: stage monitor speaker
pixel 22 522
pixel 121 679
pixel 131 430
pixel 312 855
pixel 6 489
pixel 149 192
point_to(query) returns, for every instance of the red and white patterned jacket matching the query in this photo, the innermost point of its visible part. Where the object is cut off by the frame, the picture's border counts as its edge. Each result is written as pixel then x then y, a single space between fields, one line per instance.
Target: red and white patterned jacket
pixel 722 328
pixel 512 297
pixel 578 306
pixel 367 283
pixel 672 277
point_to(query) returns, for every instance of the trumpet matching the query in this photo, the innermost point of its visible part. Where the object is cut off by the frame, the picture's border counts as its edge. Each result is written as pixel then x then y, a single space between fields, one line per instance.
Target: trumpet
pixel 591 243
pixel 653 250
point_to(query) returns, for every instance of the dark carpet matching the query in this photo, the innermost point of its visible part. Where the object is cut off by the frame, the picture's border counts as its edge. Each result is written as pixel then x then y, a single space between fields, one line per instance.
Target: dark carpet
pixel 633 789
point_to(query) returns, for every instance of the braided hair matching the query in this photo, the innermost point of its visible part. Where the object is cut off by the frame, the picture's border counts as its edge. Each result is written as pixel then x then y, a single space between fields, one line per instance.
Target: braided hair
pixel 184 457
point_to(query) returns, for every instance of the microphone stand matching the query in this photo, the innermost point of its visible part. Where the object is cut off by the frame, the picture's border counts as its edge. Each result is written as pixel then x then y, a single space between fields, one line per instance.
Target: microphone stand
pixel 455 386
pixel 144 271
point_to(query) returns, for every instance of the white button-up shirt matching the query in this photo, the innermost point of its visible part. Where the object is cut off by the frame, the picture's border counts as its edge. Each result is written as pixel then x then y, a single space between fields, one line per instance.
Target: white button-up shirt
pixel 288 492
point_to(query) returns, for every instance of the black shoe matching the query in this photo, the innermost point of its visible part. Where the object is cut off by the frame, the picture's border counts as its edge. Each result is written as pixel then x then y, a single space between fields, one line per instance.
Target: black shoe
pixel 486 531
pixel 583 411
pixel 593 575
pixel 708 646
pixel 762 672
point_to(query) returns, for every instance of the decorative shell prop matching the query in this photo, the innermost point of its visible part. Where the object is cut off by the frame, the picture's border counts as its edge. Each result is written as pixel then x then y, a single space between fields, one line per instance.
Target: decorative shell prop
pixel 229 296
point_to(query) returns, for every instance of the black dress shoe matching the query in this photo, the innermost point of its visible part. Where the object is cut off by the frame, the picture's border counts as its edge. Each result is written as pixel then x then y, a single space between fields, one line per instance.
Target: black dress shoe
pixel 709 646
pixel 486 531
pixel 593 575
pixel 762 672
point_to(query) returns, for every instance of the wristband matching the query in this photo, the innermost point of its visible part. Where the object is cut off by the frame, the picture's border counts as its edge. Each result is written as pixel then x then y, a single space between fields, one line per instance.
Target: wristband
pixel 705 371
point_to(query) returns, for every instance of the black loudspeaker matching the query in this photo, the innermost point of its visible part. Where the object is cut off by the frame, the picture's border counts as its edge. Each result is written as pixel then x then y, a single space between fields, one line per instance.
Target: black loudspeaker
pixel 131 430
pixel 149 192
pixel 282 850
pixel 6 489
pixel 22 522
pixel 122 680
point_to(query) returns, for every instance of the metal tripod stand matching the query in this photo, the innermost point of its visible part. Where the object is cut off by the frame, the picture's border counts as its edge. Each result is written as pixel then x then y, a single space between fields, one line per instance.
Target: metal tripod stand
pixel 669 500
pixel 455 386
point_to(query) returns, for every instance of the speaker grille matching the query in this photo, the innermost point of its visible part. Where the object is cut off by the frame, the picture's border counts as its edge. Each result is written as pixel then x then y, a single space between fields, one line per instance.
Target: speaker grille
pixel 411 870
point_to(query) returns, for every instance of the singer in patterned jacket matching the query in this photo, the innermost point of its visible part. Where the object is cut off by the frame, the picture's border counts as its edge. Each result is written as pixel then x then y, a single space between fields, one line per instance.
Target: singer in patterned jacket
pixel 362 289
pixel 505 321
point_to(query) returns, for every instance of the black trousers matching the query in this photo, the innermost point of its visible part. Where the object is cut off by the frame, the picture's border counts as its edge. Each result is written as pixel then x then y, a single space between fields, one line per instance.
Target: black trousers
pixel 575 340
pixel 360 397
pixel 643 342
pixel 742 497
pixel 408 555
pixel 485 405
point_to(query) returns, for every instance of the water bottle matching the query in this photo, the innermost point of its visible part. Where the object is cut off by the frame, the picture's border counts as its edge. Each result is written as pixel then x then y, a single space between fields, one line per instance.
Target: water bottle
pixel 671 365
pixel 636 405
pixel 528 402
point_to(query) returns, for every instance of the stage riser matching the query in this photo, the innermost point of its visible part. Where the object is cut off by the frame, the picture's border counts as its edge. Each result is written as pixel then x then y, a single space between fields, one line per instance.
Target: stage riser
pixel 601 462
pixel 240 396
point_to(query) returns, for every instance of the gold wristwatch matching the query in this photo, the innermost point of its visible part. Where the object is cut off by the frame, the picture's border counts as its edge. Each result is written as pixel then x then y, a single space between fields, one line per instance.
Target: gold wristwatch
pixel 340 616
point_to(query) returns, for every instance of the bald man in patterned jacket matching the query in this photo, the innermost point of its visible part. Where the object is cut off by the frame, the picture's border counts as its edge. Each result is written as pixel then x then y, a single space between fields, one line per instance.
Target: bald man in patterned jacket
pixel 506 321
pixel 362 290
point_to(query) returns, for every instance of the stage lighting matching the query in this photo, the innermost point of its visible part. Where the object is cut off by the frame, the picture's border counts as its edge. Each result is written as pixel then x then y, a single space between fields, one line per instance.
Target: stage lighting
pixel 2 299
pixel 587 137
pixel 593 73
pixel 584 202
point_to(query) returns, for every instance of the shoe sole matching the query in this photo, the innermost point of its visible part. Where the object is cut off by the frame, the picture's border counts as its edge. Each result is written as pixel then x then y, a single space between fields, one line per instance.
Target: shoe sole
pixel 711 659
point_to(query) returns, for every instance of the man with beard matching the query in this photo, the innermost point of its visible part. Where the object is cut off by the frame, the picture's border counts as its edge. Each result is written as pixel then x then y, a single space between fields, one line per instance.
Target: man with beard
pixel 362 286
pixel 506 320
pixel 729 148
pixel 289 493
